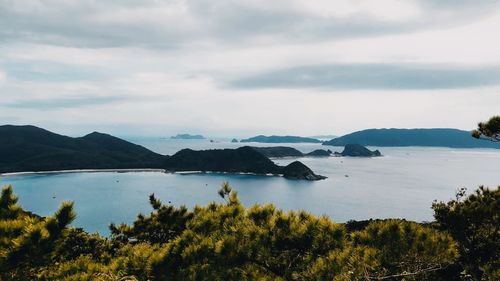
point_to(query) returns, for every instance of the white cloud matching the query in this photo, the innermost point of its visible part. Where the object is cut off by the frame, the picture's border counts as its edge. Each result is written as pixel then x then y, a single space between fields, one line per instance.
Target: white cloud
pixel 384 10
pixel 177 23
pixel 3 77
pixel 158 67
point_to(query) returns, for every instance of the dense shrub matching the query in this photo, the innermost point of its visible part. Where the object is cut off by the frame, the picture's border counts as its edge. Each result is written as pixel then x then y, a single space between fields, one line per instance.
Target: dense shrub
pixel 230 242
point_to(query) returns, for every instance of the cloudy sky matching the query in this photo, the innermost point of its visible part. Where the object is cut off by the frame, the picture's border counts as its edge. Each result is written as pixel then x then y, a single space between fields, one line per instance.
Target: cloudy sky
pixel 245 67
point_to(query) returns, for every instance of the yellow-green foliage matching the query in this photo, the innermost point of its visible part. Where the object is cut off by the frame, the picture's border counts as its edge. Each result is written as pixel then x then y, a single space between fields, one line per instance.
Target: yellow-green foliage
pixel 229 242
pixel 27 240
pixel 400 246
pixel 219 242
pixel 132 262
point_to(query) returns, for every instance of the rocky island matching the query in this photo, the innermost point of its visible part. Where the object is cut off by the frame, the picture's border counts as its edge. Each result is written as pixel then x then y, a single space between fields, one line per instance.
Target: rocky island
pixel 28 148
pixel 297 170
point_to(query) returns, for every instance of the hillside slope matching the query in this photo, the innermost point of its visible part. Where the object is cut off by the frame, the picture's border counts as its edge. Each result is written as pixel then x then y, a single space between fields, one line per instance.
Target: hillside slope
pixel 28 148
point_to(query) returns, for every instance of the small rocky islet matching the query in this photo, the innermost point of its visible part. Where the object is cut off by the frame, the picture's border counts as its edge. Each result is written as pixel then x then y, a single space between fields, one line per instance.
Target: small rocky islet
pixel 350 150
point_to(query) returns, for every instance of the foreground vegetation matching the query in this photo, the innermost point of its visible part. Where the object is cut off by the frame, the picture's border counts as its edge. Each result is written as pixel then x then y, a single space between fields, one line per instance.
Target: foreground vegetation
pixel 230 242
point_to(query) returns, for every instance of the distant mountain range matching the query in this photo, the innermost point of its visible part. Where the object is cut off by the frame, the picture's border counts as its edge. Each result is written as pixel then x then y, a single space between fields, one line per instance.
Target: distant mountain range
pixel 413 137
pixel 281 139
pixel 28 148
pixel 453 138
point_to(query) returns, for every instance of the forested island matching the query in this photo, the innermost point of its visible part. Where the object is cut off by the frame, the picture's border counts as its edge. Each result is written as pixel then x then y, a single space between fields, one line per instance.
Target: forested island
pixel 28 148
pixel 413 137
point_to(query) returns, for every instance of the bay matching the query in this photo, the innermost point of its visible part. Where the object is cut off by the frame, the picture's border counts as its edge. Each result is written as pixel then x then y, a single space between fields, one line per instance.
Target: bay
pixel 401 184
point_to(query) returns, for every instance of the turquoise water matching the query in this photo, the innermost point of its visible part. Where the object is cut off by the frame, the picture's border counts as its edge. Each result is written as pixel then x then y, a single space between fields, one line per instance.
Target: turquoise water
pixel 402 184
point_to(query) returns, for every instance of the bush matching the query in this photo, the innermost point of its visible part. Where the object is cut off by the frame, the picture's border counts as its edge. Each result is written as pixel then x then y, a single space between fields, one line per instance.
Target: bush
pixel 474 222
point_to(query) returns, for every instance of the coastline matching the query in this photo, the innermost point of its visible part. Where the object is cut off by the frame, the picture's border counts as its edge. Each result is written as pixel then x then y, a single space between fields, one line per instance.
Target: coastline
pixel 28 173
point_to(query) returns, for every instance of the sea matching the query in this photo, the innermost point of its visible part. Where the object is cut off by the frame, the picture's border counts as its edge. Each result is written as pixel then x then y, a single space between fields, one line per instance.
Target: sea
pixel 401 184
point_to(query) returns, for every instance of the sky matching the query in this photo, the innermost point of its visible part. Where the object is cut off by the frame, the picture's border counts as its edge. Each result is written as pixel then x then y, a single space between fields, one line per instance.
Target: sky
pixel 247 67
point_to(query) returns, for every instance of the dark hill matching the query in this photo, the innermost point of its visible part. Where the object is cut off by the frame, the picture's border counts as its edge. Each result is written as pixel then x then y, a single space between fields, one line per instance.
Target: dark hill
pixel 243 159
pixel 413 137
pixel 280 139
pixel 28 148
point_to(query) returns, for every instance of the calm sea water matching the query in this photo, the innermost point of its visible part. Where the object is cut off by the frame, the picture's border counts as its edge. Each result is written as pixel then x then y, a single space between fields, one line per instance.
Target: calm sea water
pixel 402 184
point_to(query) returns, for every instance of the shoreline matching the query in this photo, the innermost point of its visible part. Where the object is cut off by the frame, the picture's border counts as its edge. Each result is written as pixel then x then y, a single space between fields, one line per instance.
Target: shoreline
pixel 29 173
pixel 55 172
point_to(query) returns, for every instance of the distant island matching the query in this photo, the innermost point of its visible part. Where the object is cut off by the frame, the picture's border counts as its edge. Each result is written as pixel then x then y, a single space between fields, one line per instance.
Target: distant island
pixel 281 139
pixel 29 148
pixel 187 137
pixel 452 138
pixel 356 150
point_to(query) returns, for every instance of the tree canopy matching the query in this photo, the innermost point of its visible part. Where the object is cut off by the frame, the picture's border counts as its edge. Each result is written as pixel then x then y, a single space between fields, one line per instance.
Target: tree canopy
pixel 489 130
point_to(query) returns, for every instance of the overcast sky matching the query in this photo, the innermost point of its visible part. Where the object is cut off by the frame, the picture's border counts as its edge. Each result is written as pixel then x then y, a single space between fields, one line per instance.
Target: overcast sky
pixel 246 67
